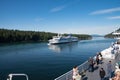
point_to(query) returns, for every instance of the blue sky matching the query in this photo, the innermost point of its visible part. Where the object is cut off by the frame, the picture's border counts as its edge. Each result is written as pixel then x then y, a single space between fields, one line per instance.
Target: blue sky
pixel 61 16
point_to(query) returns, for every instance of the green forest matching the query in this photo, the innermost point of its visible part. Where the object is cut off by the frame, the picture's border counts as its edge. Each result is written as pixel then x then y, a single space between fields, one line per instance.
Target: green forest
pixel 9 36
pixel 110 35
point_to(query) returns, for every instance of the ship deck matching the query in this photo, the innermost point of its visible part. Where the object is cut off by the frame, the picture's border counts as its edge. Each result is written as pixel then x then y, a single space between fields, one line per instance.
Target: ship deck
pixel 92 75
pixel 95 75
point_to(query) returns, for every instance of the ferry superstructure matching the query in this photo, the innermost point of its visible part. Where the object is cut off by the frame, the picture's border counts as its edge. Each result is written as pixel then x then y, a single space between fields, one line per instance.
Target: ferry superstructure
pixel 62 39
pixel 116 34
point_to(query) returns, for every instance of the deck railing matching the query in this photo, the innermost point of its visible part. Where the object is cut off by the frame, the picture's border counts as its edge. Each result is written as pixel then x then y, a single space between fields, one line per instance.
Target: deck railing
pixel 68 76
pixel 116 53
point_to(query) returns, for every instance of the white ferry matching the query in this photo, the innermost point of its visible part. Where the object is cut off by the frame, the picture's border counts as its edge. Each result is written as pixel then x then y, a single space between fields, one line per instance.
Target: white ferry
pixel 62 39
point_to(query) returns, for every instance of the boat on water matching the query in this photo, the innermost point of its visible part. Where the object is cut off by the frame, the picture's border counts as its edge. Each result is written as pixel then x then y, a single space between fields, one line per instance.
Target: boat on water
pixel 62 39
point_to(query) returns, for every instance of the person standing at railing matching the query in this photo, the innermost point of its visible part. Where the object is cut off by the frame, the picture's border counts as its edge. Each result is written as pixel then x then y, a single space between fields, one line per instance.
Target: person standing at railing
pixel 100 59
pixel 100 54
pixel 76 75
pixel 97 59
pixel 91 64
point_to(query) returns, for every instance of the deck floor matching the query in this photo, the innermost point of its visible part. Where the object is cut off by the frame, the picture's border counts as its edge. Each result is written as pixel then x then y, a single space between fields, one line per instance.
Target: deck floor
pixel 95 75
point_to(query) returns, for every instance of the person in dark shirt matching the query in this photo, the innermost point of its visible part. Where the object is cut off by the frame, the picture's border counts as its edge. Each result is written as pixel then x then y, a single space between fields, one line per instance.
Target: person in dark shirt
pixel 97 59
pixel 91 64
pixel 102 73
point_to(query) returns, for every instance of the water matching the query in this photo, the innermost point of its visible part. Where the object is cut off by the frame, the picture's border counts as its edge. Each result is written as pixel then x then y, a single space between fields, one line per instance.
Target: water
pixel 42 62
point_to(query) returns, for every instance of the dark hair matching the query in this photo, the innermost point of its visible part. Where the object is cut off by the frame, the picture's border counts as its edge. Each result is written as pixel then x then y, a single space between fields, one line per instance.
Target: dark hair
pixel 75 67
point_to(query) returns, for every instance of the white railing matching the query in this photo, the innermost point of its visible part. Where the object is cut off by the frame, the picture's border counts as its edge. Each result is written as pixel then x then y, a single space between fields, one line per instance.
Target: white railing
pixel 68 76
pixel 10 76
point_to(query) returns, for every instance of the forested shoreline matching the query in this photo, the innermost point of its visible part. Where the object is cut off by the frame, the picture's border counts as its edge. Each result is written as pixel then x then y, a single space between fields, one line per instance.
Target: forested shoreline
pixel 10 36
pixel 110 35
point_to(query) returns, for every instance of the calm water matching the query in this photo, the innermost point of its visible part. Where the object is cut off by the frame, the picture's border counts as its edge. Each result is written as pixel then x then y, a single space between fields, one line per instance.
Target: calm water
pixel 43 62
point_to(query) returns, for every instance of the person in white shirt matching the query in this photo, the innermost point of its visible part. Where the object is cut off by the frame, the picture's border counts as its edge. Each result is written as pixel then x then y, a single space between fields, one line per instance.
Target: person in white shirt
pixel 76 75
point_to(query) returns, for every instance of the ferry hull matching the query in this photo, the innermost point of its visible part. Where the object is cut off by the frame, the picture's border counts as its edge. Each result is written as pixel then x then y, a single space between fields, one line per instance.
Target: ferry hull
pixel 61 42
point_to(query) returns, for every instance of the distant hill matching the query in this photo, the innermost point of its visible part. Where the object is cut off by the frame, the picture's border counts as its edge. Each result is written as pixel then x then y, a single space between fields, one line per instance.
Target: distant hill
pixel 97 35
pixel 109 35
pixel 118 30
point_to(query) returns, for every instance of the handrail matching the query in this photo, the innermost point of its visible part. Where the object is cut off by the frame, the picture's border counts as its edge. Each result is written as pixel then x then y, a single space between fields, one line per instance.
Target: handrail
pixel 16 74
pixel 68 75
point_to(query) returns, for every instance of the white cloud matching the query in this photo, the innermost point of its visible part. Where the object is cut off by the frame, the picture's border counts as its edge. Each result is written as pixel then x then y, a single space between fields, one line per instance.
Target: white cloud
pixel 56 9
pixel 39 19
pixel 105 11
pixel 114 17
pixel 60 8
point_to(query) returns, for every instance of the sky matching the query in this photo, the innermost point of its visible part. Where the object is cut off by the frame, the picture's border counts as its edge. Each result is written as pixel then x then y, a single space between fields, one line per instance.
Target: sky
pixel 61 16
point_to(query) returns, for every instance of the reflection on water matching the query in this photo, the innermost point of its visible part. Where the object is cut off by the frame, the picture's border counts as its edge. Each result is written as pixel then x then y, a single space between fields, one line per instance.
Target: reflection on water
pixel 40 61
pixel 62 47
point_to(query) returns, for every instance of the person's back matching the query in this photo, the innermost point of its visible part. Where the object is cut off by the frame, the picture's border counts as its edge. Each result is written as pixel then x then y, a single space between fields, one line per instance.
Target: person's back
pixel 76 75
pixel 90 61
pixel 102 73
